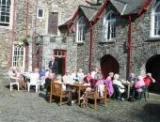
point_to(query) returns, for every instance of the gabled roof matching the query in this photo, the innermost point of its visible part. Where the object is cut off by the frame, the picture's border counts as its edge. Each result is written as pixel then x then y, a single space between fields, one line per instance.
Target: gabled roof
pixel 127 7
pixel 89 12
pixel 124 7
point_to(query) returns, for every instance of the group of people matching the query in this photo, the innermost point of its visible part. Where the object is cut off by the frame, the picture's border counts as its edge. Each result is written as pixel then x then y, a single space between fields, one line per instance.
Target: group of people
pixel 116 87
pixel 139 84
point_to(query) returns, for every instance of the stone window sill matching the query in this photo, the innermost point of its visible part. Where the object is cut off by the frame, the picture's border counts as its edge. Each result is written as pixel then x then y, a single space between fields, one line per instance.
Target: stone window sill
pixel 107 42
pixel 153 39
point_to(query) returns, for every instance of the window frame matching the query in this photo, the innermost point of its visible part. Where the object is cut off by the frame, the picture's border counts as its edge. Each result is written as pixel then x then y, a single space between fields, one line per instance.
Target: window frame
pixel 16 49
pixel 9 24
pixel 153 16
pixel 80 29
pixel 40 17
pixel 109 27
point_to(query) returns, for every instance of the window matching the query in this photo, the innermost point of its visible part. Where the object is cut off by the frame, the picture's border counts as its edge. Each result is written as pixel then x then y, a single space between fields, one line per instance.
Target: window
pixel 80 30
pixel 155 21
pixel 109 26
pixel 53 23
pixel 18 56
pixel 5 6
pixel 40 13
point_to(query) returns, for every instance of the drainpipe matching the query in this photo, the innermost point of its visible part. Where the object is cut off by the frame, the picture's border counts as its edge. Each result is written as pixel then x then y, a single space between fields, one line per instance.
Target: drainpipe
pixel 13 35
pixel 91 45
pixel 129 67
pixel 26 46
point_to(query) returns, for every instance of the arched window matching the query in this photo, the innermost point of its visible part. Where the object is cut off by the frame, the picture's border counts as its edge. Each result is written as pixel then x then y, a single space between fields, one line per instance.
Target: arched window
pixel 155 21
pixel 81 29
pixel 109 26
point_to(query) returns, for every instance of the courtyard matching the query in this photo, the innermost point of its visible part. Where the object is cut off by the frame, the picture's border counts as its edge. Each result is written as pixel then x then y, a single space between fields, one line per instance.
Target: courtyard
pixel 32 107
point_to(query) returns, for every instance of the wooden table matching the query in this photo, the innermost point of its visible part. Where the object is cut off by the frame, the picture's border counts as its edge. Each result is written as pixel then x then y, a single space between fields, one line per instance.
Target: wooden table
pixel 79 88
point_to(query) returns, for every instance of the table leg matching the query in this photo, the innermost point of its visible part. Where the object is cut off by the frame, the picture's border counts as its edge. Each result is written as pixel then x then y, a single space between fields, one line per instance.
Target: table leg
pixel 128 94
pixel 79 95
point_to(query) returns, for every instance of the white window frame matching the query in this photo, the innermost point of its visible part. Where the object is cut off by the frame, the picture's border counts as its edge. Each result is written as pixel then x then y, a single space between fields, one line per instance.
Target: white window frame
pixel 80 30
pixel 9 26
pixel 17 51
pixel 109 27
pixel 153 15
pixel 40 17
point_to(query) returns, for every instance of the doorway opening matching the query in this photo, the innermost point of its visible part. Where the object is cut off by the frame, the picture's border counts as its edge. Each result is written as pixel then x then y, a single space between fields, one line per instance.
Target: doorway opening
pixel 60 57
pixel 153 66
pixel 109 64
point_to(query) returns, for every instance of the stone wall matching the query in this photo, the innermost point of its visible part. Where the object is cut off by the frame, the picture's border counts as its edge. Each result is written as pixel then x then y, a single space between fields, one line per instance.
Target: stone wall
pixel 115 47
pixel 144 47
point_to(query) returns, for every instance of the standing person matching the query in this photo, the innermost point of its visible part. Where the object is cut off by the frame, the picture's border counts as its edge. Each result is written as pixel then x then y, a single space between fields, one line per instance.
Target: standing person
pixel 53 66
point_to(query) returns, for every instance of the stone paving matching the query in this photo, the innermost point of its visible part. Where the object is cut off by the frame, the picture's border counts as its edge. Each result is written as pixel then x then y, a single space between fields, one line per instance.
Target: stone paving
pixel 32 107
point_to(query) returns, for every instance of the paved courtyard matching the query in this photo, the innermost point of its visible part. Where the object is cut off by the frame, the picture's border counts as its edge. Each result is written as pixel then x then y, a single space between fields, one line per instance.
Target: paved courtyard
pixel 32 107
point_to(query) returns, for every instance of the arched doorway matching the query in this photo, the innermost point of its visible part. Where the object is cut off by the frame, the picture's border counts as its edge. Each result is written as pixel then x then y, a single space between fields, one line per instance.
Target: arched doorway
pixel 153 66
pixel 109 64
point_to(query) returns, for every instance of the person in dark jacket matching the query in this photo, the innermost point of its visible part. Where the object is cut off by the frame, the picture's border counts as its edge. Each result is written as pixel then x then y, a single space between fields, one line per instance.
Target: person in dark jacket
pixel 53 65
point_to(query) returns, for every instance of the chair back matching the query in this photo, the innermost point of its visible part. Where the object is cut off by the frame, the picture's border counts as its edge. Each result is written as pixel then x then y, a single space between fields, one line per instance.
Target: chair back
pixel 56 89
pixel 34 78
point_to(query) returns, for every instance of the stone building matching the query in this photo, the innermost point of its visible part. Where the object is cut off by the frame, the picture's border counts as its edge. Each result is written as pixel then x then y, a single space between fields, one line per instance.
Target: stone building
pixel 117 35
pixel 29 30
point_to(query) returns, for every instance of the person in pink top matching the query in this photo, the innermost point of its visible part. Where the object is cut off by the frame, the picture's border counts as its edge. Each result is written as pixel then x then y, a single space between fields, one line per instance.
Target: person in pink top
pixel 109 83
pixel 139 86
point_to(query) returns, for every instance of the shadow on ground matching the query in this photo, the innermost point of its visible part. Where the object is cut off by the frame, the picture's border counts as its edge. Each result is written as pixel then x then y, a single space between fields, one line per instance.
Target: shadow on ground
pixel 153 110
pixel 149 113
pixel 94 115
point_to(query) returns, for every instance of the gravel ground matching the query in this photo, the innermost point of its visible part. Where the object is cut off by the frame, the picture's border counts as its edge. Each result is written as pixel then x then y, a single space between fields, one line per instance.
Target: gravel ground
pixel 32 107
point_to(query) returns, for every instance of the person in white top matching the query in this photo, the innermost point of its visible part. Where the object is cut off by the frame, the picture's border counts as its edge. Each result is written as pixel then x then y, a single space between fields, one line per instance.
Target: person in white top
pixel 118 86
pixel 67 78
pixel 80 75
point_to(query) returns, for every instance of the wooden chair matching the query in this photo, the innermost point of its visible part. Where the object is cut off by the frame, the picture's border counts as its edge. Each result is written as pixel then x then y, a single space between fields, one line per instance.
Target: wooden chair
pixel 57 91
pixel 95 96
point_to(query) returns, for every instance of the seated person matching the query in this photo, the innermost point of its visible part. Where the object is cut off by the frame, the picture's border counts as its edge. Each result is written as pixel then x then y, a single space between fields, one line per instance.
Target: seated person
pixel 49 77
pixel 68 79
pixel 15 74
pixel 58 79
pixel 118 87
pixel 34 77
pixel 132 78
pixel 148 80
pixel 109 83
pixel 100 87
pixel 74 76
pixel 139 86
pixel 35 74
pixel 80 75
pixel 12 72
pixel 42 73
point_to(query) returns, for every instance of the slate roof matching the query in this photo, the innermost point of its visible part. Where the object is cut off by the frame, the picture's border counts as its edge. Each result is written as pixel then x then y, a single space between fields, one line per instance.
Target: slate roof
pixel 126 7
pixel 89 12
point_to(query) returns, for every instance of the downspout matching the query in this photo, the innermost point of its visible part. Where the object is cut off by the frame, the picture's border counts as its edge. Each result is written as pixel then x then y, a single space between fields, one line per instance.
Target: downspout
pixel 26 36
pixel 129 67
pixel 91 45
pixel 13 38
